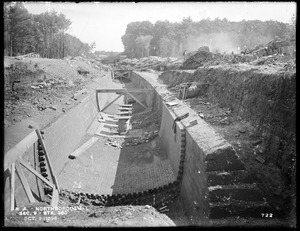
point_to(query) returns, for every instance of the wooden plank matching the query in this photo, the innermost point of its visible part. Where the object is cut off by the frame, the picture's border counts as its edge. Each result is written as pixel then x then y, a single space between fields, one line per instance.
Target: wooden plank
pixel 125 109
pixel 24 183
pixel 137 100
pixel 124 113
pixel 111 103
pixel 47 158
pixel 36 173
pixel 12 187
pixel 55 198
pixel 19 149
pixel 126 105
pixel 122 117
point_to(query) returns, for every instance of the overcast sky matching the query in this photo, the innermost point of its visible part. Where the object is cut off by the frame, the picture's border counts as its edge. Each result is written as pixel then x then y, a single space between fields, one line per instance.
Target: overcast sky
pixel 105 23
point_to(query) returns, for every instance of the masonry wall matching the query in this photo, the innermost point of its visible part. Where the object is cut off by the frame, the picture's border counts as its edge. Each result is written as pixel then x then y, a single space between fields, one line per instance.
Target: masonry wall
pixel 145 96
pixel 170 138
pixel 193 188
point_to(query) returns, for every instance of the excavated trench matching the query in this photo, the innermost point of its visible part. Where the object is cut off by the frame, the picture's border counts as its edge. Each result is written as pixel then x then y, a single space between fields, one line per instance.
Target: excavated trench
pixel 169 154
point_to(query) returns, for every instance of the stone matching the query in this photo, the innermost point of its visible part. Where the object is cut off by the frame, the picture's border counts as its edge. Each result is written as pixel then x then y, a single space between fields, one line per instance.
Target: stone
pixel 242 130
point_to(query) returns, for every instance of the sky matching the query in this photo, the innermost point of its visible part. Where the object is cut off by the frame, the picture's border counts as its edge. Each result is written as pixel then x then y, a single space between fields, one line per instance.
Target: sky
pixel 105 23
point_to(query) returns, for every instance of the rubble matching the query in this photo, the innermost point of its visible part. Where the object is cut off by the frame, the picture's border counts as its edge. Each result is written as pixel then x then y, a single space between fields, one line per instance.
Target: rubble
pixel 151 62
pixel 145 138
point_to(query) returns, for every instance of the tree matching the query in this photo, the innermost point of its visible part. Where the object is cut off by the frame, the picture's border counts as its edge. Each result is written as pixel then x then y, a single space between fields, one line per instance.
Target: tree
pixel 133 31
pixel 143 44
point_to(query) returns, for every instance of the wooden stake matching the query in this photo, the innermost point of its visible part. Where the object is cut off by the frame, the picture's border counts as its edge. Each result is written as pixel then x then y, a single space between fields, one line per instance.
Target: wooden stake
pixel 12 185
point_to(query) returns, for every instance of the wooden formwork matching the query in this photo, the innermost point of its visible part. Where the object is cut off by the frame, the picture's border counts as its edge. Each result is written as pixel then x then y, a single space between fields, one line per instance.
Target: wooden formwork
pixel 15 163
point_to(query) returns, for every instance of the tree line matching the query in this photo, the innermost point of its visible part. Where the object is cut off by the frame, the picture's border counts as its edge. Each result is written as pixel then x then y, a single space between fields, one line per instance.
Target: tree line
pixel 170 39
pixel 44 34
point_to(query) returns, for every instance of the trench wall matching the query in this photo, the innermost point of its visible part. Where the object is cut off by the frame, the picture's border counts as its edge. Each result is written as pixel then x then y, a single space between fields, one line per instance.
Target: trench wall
pixel 187 149
pixel 190 158
pixel 265 98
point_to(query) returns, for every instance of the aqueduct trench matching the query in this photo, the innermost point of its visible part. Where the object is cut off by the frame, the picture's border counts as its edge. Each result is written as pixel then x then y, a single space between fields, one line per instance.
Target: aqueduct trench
pixel 205 150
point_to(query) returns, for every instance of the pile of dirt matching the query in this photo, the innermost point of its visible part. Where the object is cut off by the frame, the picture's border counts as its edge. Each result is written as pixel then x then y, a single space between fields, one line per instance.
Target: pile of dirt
pixel 274 53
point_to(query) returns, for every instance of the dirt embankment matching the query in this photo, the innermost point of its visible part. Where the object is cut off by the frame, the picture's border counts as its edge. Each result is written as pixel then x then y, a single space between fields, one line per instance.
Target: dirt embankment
pixel 253 107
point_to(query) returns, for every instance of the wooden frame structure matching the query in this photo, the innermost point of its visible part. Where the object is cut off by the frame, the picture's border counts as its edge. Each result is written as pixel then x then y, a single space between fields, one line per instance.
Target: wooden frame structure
pixel 119 73
pixel 13 161
pixel 120 91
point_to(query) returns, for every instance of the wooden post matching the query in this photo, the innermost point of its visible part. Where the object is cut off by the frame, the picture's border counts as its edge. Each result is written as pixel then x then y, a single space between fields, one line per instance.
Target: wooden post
pixel 97 101
pixel 12 185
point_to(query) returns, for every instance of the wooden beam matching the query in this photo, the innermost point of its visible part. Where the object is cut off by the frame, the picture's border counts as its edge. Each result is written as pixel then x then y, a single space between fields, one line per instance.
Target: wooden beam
pixel 136 100
pixel 12 187
pixel 111 90
pixel 47 158
pixel 36 173
pixel 111 102
pixel 19 149
pixel 24 183
pixel 121 90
